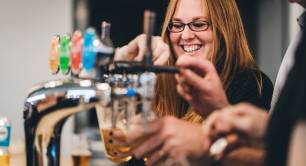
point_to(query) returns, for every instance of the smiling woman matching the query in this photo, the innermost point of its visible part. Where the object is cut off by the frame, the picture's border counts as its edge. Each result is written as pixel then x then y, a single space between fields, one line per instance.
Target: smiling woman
pixel 210 30
pixel 223 43
pixel 206 40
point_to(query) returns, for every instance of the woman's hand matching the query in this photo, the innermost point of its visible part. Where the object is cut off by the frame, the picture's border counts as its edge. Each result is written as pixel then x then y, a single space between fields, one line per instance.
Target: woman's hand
pixel 167 140
pixel 135 50
pixel 200 85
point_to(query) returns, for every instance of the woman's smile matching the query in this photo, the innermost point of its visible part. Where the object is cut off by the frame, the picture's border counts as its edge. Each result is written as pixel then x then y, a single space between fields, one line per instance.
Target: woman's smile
pixel 191 48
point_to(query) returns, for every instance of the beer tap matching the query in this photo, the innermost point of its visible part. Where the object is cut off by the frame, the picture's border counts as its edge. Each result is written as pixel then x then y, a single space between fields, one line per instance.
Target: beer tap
pixel 148 78
pixel 46 110
pixel 145 71
pixel 97 82
pixel 49 104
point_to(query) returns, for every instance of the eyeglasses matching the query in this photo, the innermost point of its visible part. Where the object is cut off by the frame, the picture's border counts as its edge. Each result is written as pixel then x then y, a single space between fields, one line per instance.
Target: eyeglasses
pixel 196 26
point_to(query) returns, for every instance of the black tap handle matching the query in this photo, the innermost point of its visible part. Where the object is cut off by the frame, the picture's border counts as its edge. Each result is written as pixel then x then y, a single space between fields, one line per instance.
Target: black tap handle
pixel 163 69
pixel 149 24
pixel 134 67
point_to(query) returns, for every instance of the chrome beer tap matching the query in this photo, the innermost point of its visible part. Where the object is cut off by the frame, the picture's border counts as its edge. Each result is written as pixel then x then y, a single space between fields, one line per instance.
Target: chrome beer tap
pixel 49 104
pixel 46 109
pixel 100 83
pixel 148 78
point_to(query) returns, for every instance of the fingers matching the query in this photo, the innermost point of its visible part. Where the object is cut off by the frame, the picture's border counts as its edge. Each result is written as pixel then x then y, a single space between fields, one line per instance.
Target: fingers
pixel 241 118
pixel 221 122
pixel 163 152
pixel 169 152
pixel 225 122
pixel 183 93
pixel 161 51
pixel 157 156
pixel 139 44
pixel 226 144
pixel 137 136
pixel 181 81
pixel 117 134
pixel 151 144
pixel 119 143
pixel 192 79
pixel 209 124
pixel 246 108
pixel 183 89
pixel 202 65
pixel 252 120
pixel 138 132
pixel 161 57
pixel 234 140
pixel 154 142
pixel 121 53
pixel 136 49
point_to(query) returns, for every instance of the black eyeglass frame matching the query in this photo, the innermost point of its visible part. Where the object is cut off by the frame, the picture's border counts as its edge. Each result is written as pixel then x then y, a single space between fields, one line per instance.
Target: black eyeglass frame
pixel 190 26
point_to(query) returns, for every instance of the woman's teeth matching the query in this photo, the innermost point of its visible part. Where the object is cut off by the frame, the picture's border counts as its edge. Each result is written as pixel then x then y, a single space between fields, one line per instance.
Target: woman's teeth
pixel 191 48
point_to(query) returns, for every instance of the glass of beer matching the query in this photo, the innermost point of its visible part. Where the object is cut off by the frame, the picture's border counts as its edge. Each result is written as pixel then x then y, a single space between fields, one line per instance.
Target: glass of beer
pixel 113 118
pixel 80 153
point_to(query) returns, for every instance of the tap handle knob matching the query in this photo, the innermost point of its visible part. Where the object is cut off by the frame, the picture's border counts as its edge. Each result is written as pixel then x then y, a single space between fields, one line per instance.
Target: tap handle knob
pixel 105 50
pixel 105 34
pixel 64 58
pixel 54 54
pixel 149 24
pixel 76 52
pixel 89 53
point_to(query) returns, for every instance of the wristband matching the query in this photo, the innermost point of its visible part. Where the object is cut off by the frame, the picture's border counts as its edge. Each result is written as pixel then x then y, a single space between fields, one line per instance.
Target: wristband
pixel 216 151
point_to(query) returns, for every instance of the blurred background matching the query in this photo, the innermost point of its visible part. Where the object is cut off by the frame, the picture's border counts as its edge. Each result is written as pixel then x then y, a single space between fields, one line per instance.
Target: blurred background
pixel 26 28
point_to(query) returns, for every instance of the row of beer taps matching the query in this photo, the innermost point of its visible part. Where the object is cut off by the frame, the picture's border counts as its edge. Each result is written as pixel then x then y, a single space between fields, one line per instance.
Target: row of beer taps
pixel 120 85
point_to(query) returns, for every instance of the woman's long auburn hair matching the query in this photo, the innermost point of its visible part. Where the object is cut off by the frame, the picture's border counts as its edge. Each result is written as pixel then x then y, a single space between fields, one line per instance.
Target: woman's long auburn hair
pixel 231 54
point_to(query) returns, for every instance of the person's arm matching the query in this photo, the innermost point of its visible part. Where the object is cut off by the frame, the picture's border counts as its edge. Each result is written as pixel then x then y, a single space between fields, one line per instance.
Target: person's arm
pixel 255 156
pixel 244 156
pixel 245 121
pixel 297 149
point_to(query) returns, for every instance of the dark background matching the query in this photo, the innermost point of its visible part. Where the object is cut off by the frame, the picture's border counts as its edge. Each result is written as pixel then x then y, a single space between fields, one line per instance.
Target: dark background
pixel 126 17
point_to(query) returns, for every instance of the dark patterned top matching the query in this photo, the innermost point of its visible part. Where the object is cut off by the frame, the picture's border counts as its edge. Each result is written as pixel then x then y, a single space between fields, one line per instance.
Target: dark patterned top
pixel 244 88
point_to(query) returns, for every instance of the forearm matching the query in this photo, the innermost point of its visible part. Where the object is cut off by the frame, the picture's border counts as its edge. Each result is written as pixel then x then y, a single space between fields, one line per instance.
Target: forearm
pixel 244 156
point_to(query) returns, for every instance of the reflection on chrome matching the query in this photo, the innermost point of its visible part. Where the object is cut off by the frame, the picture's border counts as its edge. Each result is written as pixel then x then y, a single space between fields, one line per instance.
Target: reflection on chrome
pixel 46 109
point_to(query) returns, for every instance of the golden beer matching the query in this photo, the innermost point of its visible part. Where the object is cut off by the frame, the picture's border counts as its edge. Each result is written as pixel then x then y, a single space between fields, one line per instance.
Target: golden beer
pixel 113 150
pixel 5 160
pixel 80 160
